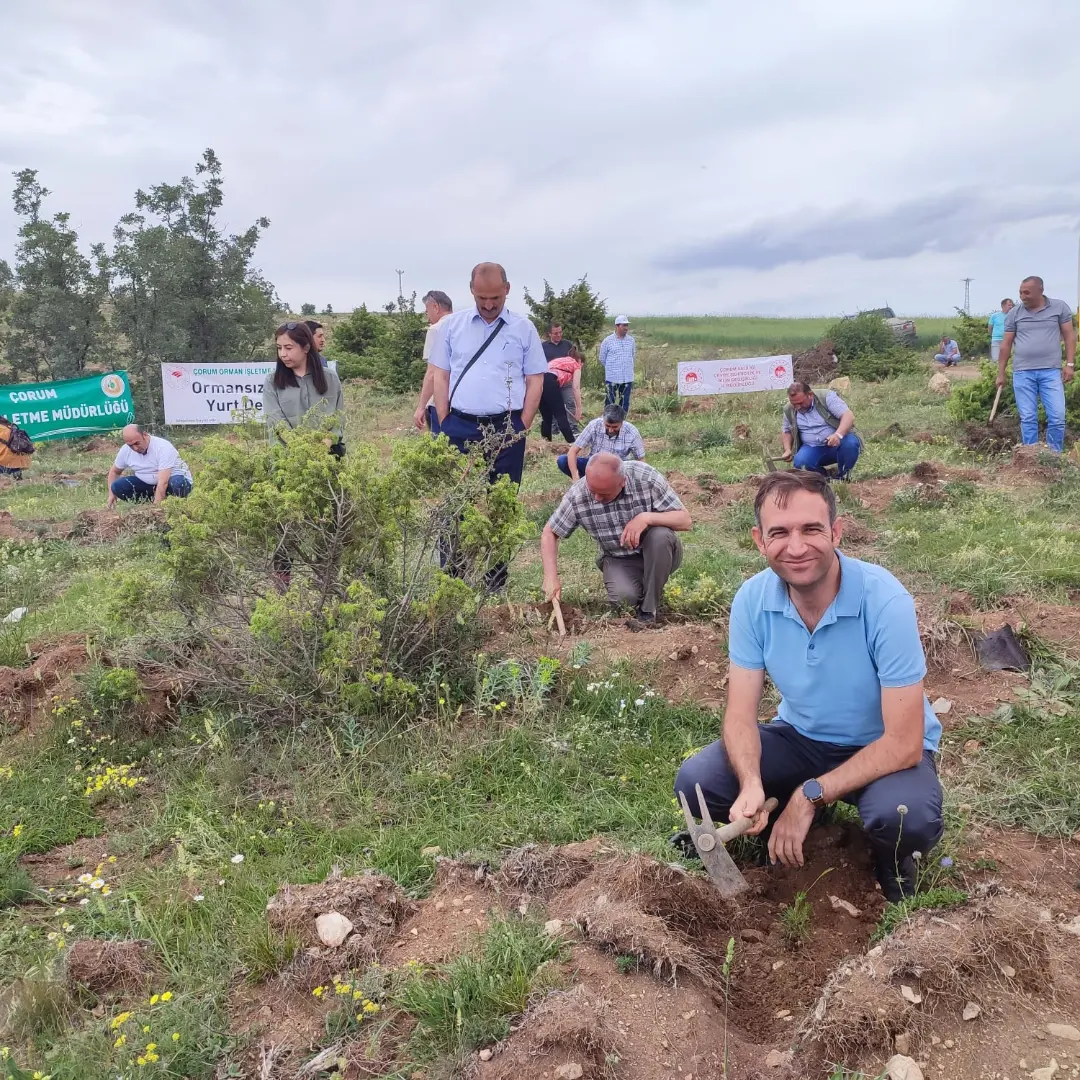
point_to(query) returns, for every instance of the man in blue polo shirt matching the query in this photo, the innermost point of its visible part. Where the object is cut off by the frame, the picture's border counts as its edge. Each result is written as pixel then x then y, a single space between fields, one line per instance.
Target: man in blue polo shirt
pixel 838 638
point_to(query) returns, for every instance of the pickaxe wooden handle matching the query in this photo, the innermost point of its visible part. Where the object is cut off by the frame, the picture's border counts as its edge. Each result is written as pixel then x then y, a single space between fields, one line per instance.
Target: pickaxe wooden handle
pixel 997 399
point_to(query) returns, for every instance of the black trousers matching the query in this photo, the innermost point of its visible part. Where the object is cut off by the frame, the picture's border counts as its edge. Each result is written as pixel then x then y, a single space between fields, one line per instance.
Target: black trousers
pixel 553 409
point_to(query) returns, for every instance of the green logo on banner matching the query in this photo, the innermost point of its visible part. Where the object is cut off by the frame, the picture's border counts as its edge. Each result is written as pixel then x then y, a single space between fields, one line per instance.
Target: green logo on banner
pixel 66 410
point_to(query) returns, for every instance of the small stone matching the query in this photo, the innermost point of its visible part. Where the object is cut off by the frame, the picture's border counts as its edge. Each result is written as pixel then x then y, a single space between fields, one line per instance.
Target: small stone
pixel 781 1013
pixel 1046 915
pixel 1008 971
pixel 457 901
pixel 552 927
pixel 843 905
pixel 1046 1073
pixel 1073 927
pixel 935 1041
pixel 333 929
pixel 414 932
pixel 693 650
pixel 902 1043
pixel 665 1044
pixel 777 965
pixel 430 852
pixel 777 1059
pixel 901 1067
pixel 841 384
pixel 971 1010
pixel 485 1055
pixel 948 1044
pixel 466 911
pixel 439 905
pixel 940 384
pixel 942 706
pixel 876 951
pixel 689 1015
pixel 1023 1064
pixel 752 935
pixel 911 995
pixel 570 1071
pixel 1063 1031
pixel 972 746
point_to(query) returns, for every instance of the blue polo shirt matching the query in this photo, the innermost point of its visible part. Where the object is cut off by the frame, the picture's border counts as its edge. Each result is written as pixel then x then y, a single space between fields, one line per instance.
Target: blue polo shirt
pixel 831 680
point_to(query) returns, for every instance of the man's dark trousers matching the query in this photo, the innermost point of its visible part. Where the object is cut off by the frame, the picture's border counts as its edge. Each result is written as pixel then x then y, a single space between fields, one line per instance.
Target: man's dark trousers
pixel 505 459
pixel 618 394
pixel 901 812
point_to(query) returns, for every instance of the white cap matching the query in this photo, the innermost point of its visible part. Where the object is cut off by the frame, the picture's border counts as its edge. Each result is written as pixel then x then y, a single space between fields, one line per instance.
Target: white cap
pixel 621 320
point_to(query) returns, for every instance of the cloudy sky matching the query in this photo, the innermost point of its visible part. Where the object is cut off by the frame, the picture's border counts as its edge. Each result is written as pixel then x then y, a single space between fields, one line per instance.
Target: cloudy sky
pixel 780 157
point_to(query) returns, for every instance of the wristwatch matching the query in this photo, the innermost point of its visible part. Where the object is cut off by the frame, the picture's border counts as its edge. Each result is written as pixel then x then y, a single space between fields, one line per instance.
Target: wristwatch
pixel 814 792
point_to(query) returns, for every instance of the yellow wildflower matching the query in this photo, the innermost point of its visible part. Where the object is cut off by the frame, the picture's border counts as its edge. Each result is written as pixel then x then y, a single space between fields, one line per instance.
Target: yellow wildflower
pixel 155 999
pixel 371 1007
pixel 17 831
pixel 167 996
pixel 176 1036
pixel 119 1042
pixel 318 991
pixel 150 1047
pixel 123 1018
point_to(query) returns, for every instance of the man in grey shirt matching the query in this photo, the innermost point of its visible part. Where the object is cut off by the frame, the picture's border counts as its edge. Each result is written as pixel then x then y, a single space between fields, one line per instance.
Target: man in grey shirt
pixel 1037 326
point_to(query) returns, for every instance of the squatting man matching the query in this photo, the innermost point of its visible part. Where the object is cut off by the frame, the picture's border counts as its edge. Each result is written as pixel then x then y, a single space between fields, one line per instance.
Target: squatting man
pixel 159 469
pixel 633 513
pixel 839 639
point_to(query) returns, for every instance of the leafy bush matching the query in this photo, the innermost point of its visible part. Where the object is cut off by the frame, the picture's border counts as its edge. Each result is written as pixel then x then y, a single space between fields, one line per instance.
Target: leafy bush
pixel 355 343
pixel 973 399
pixel 866 349
pixel 703 597
pixel 971 333
pixel 110 689
pixel 579 310
pixel 389 349
pixel 296 585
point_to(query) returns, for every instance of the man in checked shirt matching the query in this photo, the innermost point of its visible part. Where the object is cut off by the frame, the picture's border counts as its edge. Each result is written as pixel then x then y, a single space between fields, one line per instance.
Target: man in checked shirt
pixel 633 513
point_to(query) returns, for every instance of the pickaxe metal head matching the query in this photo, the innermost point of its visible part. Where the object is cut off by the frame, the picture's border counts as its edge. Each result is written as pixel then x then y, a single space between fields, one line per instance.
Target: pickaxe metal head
pixel 709 842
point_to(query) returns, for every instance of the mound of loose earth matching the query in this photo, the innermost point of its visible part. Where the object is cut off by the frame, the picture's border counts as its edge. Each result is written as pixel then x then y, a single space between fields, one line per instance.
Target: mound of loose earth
pixel 25 692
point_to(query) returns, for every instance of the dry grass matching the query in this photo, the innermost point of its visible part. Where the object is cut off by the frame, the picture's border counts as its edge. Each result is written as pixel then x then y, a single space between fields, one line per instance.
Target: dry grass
pixel 539 871
pixel 105 966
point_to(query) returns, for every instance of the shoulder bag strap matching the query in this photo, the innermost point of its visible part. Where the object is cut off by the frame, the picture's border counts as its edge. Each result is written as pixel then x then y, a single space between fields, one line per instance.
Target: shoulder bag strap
pixel 476 356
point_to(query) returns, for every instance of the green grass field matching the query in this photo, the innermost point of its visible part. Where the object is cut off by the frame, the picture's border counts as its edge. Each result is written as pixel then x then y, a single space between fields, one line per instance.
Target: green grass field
pixel 224 813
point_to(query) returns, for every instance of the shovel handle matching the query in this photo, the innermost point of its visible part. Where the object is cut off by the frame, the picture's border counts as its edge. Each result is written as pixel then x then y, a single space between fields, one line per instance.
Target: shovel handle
pixel 737 828
pixel 556 609
pixel 997 399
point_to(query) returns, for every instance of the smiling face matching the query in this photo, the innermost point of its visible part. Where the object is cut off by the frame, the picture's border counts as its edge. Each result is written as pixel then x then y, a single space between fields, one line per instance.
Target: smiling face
pixel 797 539
pixel 1031 293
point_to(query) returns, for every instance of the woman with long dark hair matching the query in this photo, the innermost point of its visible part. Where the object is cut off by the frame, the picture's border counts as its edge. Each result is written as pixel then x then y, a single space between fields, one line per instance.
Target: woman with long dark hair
pixel 300 390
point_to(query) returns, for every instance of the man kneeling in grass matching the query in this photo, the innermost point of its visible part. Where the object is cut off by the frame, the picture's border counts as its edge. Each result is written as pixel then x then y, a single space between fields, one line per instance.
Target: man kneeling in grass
pixel 159 469
pixel 839 639
pixel 633 513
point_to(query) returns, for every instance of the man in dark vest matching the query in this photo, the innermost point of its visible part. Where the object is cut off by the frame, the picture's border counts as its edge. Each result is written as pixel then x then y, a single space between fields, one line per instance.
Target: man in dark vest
pixel 819 431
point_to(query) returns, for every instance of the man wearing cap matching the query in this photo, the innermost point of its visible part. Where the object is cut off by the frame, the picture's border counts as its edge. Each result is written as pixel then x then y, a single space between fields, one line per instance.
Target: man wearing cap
pixel 617 360
pixel 318 335
pixel 489 371
pixel 438 307
pixel 611 433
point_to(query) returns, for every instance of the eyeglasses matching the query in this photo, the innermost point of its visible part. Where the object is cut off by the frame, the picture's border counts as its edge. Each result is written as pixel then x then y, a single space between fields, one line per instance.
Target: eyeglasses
pixel 287 326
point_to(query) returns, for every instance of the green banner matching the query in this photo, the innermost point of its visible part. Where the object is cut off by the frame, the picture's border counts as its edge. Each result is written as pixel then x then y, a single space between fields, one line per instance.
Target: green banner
pixel 66 410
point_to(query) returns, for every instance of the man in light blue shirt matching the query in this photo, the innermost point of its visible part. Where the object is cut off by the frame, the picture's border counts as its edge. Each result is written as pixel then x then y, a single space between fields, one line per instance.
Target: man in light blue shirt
pixel 617 359
pixel 818 432
pixel 839 639
pixel 996 325
pixel 1039 327
pixel 488 370
pixel 950 352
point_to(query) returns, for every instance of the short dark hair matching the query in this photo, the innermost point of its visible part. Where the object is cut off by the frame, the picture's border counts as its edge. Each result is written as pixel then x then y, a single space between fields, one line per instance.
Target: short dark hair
pixel 438 297
pixel 799 386
pixel 614 414
pixel 554 323
pixel 312 325
pixel 779 486
pixel 1033 277
pixel 1007 300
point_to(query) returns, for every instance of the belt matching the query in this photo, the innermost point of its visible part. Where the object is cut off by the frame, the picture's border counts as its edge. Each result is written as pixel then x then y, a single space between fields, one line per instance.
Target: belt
pixel 492 420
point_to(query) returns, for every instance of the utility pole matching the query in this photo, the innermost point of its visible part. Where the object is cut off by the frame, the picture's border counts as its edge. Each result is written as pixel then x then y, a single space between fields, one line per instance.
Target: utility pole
pixel 400 275
pixel 967 294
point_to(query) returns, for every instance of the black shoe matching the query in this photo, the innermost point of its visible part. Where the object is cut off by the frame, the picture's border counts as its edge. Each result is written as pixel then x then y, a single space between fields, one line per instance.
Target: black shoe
pixel 897 880
pixel 643 620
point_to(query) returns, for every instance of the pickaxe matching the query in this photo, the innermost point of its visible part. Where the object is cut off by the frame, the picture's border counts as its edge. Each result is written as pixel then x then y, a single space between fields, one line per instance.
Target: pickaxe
pixel 709 842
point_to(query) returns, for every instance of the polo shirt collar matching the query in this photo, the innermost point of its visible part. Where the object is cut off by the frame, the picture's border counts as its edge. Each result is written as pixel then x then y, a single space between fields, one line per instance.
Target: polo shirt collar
pixel 848 600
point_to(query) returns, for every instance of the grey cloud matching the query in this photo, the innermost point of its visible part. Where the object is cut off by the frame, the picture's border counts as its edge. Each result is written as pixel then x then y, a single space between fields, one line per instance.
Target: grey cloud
pixel 948 222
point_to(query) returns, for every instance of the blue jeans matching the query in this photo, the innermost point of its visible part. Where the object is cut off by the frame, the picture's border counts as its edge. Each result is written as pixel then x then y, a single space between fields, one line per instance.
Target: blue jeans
pixel 563 461
pixel 789 759
pixel 815 458
pixel 618 393
pixel 948 361
pixel 132 489
pixel 1031 386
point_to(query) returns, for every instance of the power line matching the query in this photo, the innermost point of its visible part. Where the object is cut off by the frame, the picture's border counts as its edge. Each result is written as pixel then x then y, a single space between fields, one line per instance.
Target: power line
pixel 400 275
pixel 967 294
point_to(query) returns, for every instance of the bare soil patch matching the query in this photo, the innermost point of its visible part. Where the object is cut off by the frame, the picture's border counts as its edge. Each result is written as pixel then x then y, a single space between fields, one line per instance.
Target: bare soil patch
pixel 111 967
pixel 816 365
pixel 25 693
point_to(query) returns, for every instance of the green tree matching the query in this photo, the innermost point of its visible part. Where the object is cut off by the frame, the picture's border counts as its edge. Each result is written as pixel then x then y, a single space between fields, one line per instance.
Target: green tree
pixel 402 352
pixel 328 310
pixel 356 342
pixel 578 309
pixel 307 310
pixel 56 326
pixel 183 290
pixel 866 348
pixel 972 334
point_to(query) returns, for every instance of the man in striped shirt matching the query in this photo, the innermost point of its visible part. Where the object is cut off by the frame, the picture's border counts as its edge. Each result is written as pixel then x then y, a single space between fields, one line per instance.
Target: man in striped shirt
pixel 617 360
pixel 611 433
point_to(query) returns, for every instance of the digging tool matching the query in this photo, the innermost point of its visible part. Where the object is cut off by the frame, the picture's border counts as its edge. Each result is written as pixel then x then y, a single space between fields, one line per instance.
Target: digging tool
pixel 556 610
pixel 709 842
pixel 997 399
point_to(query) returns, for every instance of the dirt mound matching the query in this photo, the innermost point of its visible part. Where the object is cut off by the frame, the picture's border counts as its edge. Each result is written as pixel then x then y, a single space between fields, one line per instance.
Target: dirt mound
pixel 996 438
pixel 9 530
pixel 24 691
pixel 536 871
pixel 926 470
pixel 992 948
pixel 855 533
pixel 566 1028
pixel 109 966
pixel 1038 462
pixel 816 365
pixel 102 526
pixel 373 903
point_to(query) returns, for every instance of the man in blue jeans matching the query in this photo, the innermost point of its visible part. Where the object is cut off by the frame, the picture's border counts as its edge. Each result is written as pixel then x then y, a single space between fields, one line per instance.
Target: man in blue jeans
pixel 838 638
pixel 159 469
pixel 1035 328
pixel 819 431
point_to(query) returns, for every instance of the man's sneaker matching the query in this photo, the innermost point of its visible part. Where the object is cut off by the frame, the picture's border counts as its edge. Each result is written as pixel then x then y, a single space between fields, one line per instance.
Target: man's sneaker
pixel 643 620
pixel 897 880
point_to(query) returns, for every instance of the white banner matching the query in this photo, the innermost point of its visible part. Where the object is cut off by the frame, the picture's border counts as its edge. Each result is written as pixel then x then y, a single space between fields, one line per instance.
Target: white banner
pixel 215 393
pixel 697 377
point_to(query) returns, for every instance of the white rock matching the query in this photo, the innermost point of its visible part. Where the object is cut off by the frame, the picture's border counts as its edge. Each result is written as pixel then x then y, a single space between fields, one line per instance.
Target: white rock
pixel 843 905
pixel 777 1059
pixel 14 616
pixel 333 929
pixel 971 1010
pixel 1046 1073
pixel 430 852
pixel 1063 1031
pixel 876 951
pixel 1008 971
pixel 570 1071
pixel 485 1055
pixel 901 1067
pixel 1073 927
pixel 911 995
pixel 941 706
pixel 552 927
pixel 940 384
pixel 841 384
